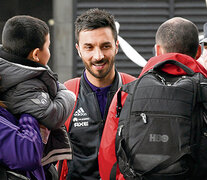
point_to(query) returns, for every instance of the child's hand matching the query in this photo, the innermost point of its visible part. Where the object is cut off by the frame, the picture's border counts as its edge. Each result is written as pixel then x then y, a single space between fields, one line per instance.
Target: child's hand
pixel 44 133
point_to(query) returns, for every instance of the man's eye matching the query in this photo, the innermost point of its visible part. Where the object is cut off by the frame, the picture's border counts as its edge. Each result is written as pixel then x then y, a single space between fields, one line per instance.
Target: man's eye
pixel 88 47
pixel 106 46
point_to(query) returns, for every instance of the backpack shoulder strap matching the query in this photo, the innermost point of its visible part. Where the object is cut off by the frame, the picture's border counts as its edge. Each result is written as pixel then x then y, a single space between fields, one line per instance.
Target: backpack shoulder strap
pixel 119 105
pixel 128 86
pixel 72 85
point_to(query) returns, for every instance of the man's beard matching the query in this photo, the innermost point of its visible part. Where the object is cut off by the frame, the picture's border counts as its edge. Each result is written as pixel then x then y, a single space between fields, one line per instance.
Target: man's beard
pixel 101 75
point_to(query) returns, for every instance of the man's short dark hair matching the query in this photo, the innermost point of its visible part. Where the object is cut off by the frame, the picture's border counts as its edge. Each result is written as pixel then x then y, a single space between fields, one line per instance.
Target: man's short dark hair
pixel 93 19
pixel 178 35
pixel 22 34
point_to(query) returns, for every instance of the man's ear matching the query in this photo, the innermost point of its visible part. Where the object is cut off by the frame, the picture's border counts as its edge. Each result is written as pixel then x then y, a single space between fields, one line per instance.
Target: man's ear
pixel 117 46
pixel 158 50
pixel 199 51
pixel 78 49
pixel 33 55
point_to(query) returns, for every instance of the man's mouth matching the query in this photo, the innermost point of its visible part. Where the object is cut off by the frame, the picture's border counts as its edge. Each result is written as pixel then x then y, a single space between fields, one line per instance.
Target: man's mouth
pixel 99 66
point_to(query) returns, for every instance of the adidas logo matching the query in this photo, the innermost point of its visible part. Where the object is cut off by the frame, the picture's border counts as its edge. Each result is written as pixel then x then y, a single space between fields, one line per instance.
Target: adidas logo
pixel 80 112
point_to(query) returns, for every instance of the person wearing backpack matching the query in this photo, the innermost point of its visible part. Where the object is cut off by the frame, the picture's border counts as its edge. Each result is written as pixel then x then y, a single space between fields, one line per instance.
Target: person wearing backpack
pixel 97 45
pixel 156 127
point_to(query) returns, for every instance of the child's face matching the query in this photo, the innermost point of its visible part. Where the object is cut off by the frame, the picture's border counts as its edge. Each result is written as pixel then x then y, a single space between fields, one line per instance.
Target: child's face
pixel 44 54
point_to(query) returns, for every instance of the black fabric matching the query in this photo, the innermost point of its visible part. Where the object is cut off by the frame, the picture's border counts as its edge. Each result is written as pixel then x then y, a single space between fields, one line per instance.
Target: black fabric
pixel 119 106
pixel 3 174
pixel 161 128
pixel 51 173
pixel 58 140
pixel 113 172
pixel 6 174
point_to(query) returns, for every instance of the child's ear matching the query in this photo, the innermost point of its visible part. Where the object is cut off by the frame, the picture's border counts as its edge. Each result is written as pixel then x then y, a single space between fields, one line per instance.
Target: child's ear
pixel 33 55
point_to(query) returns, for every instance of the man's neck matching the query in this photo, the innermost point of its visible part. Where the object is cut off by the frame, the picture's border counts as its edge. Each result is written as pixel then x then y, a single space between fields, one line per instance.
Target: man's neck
pixel 101 82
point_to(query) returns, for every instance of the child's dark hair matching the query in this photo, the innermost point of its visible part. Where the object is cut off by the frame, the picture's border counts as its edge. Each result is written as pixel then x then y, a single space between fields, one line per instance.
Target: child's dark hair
pixel 93 19
pixel 22 34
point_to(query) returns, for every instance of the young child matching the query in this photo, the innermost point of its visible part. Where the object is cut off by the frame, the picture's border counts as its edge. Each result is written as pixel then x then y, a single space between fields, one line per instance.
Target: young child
pixel 29 86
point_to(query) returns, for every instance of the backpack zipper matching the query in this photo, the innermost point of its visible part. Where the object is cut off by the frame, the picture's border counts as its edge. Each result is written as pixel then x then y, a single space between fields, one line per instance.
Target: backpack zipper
pixel 162 79
pixel 144 117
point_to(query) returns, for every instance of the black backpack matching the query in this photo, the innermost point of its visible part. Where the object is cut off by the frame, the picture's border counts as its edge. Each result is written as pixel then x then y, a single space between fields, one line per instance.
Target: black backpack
pixel 162 133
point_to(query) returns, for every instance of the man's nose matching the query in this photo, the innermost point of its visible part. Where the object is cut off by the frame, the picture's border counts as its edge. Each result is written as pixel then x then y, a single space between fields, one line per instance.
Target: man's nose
pixel 98 54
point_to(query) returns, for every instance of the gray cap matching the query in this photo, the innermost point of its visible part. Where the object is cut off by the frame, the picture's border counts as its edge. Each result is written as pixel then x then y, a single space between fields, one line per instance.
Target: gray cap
pixel 204 40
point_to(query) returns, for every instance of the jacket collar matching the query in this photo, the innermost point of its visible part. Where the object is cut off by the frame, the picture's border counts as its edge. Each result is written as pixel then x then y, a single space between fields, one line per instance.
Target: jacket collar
pixel 173 69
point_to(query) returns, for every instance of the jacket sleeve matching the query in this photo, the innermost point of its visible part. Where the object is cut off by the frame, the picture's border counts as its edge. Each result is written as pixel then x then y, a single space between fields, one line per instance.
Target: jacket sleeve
pixel 32 97
pixel 107 156
pixel 20 146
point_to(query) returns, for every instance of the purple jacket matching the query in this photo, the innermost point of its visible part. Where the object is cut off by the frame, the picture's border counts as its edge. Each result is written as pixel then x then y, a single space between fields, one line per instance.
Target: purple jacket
pixel 21 145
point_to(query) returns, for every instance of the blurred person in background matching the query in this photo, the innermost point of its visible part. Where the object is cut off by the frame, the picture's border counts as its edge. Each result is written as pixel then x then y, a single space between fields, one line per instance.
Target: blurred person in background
pixel 203 42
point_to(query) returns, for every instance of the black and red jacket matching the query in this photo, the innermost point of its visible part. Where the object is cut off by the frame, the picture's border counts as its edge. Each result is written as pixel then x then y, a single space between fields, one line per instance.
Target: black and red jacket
pixel 85 141
pixel 107 156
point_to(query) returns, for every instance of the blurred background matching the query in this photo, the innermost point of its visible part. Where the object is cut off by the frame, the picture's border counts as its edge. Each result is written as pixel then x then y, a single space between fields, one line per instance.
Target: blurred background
pixel 138 19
